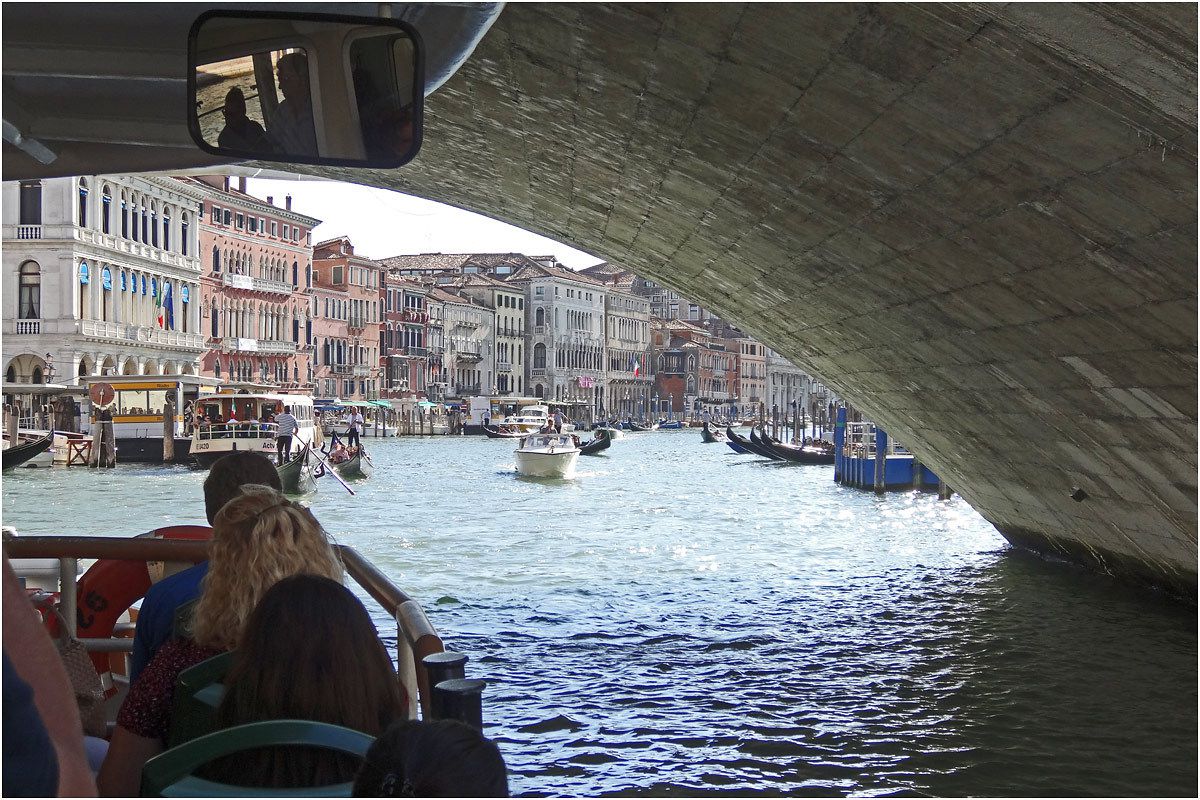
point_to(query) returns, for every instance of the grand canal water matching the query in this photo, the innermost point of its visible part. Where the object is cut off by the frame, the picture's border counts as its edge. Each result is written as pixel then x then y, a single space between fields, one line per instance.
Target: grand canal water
pixel 680 620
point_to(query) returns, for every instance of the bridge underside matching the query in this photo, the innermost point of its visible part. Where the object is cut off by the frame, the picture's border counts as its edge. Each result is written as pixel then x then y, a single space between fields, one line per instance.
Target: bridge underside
pixel 978 223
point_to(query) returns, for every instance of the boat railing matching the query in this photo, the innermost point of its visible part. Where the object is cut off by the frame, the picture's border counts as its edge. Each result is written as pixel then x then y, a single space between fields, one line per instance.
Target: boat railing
pixel 237 430
pixel 415 639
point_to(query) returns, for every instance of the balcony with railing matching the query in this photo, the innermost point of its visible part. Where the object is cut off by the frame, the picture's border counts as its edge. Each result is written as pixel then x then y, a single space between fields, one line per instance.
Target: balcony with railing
pixel 356 323
pixel 338 369
pixel 99 329
pixel 29 231
pixel 239 344
pixel 504 366
pixel 465 389
pixel 471 356
pixel 22 327
pixel 363 370
pixel 256 284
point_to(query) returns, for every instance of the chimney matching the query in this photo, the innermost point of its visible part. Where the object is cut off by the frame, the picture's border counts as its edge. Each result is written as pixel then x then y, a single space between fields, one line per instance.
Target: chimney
pixel 242 184
pixel 226 182
pixel 270 200
pixel 287 202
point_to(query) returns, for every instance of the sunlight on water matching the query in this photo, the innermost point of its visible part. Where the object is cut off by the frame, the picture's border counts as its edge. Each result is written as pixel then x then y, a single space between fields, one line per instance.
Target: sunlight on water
pixel 683 620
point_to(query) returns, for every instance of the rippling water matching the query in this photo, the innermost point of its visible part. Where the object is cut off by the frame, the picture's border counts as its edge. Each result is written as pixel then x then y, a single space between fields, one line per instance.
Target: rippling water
pixel 680 620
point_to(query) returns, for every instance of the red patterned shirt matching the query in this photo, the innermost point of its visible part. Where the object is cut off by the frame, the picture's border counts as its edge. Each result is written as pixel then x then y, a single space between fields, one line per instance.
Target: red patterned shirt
pixel 147 709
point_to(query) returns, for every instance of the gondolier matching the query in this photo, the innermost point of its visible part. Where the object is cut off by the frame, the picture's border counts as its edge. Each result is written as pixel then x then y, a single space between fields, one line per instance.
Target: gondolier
pixel 356 422
pixel 286 428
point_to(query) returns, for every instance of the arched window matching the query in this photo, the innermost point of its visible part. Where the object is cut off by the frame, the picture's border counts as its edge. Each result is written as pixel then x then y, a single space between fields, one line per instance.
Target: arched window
pixel 37 374
pixel 154 225
pixel 29 291
pixel 106 279
pixel 166 228
pixel 146 224
pixel 308 276
pixel 183 234
pixel 215 316
pixel 295 274
pixel 217 367
pixel 11 375
pixel 106 210
pixel 83 194
pixel 31 204
pixel 539 356
pixel 216 262
pixel 124 216
pixel 539 316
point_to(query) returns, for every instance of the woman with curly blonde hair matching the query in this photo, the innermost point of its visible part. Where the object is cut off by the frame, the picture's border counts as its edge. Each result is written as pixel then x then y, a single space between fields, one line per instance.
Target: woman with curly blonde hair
pixel 259 538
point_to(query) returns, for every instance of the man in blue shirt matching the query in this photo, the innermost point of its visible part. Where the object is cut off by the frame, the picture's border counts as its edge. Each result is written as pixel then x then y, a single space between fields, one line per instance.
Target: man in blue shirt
pixel 156 618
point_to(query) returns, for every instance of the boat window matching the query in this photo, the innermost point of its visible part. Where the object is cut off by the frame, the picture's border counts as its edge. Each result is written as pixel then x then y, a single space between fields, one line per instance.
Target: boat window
pixel 156 401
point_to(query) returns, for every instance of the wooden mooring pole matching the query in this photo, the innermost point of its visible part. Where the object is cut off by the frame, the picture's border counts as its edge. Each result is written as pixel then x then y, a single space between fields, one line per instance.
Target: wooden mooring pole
pixel 880 460
pixel 168 445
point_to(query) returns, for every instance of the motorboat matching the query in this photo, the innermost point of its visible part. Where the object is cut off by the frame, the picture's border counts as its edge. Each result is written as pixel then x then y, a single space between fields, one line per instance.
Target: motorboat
pixel 378 419
pixel 547 455
pixel 529 419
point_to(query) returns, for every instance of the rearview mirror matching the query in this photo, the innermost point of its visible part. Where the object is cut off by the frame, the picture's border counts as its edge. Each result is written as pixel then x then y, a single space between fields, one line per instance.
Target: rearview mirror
pixel 306 88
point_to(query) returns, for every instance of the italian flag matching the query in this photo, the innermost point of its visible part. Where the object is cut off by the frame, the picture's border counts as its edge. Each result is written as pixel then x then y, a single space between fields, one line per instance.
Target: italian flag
pixel 158 304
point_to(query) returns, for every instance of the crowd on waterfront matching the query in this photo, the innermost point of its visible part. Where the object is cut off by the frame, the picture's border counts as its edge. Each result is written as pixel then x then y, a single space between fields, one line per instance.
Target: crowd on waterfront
pixel 271 596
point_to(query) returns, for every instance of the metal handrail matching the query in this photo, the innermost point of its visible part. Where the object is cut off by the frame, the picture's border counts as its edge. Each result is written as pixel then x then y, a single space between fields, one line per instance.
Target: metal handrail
pixel 239 430
pixel 416 636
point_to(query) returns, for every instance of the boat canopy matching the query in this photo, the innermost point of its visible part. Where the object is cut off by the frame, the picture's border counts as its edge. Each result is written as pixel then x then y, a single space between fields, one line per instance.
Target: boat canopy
pixel 380 403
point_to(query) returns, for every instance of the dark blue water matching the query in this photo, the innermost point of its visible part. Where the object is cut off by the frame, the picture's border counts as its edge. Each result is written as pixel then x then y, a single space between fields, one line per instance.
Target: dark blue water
pixel 680 620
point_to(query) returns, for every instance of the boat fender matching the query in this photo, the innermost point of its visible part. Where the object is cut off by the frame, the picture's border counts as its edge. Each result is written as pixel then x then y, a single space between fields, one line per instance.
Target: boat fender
pixel 111 586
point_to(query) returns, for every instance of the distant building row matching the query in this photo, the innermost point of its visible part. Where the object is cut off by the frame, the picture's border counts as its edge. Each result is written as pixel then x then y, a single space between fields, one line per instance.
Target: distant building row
pixel 113 275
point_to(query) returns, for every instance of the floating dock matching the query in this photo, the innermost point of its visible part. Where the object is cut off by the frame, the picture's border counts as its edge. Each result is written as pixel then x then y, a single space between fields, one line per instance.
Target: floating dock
pixel 867 458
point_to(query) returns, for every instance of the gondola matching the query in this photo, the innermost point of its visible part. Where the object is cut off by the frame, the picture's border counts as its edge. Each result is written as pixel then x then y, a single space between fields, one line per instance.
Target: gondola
pixel 600 441
pixel 633 426
pixel 749 446
pixel 496 433
pixel 18 454
pixel 357 466
pixel 295 475
pixel 711 437
pixel 791 452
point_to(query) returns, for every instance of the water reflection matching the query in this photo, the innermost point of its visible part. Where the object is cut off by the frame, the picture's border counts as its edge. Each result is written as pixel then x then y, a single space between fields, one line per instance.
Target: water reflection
pixel 681 620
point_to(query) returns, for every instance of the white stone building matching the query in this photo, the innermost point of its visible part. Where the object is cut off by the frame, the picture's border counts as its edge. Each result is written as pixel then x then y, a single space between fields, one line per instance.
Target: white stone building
pixel 101 277
pixel 565 320
pixel 508 302
pixel 468 356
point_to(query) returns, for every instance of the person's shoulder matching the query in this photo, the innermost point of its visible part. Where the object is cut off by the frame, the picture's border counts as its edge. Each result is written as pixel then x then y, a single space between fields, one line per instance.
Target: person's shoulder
pixel 177 588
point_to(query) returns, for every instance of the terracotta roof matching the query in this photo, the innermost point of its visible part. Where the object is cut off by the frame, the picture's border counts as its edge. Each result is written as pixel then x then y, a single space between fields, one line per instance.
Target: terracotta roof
pixel 538 270
pixel 441 295
pixel 428 261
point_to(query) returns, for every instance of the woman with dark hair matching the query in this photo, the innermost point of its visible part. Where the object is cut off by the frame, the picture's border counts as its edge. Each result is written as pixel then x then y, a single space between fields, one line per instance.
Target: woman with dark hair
pixel 309 651
pixel 442 758
pixel 259 538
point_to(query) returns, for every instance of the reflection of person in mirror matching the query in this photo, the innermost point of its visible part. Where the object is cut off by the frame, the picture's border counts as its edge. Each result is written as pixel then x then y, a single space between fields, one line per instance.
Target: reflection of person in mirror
pixel 241 132
pixel 291 129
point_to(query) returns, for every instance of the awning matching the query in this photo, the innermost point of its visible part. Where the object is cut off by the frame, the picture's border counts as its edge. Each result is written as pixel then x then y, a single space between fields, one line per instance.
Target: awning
pixel 380 403
pixel 426 404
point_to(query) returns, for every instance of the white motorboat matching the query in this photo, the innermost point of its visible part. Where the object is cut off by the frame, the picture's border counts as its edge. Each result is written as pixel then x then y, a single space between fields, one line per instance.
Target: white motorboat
pixel 547 455
pixel 529 419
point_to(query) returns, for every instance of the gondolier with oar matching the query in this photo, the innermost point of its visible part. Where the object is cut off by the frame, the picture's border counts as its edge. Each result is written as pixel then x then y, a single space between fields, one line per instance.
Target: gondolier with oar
pixel 286 428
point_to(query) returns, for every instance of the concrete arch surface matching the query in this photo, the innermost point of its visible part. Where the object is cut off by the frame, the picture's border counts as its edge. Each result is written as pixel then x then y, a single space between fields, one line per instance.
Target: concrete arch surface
pixel 976 223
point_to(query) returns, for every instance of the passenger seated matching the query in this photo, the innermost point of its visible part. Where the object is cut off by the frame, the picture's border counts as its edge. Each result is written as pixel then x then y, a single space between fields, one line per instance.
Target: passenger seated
pixel 259 538
pixel 309 651
pixel 340 453
pixel 441 758
pixel 156 616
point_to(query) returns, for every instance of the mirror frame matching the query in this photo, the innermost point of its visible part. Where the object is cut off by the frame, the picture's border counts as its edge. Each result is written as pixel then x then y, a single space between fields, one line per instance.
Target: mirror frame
pixel 418 106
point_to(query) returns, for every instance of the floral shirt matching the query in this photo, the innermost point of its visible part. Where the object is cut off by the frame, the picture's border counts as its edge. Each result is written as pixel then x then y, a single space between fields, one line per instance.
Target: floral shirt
pixel 147 710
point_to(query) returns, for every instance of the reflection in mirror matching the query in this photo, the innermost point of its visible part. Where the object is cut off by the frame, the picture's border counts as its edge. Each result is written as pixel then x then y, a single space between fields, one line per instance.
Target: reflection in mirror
pixel 286 88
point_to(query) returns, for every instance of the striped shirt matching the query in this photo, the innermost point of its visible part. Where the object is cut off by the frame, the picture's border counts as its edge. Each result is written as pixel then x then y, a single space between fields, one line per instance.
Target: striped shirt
pixel 287 424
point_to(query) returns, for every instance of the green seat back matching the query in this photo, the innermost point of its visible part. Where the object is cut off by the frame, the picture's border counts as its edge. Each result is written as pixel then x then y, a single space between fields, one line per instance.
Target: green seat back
pixel 198 692
pixel 170 774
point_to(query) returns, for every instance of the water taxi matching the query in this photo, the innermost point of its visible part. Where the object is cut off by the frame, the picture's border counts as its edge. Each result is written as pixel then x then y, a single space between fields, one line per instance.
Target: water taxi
pixel 379 417
pixel 547 455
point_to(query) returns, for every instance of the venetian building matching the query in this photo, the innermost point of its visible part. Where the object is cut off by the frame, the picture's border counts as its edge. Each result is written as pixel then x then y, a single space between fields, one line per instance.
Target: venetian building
pixel 351 283
pixel 508 303
pixel 565 349
pixel 101 277
pixel 256 286
pixel 468 352
pixel 628 383
pixel 403 336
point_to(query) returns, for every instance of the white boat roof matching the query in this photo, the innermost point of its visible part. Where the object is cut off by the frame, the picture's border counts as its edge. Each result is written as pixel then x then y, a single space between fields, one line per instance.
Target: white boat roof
pixel 301 399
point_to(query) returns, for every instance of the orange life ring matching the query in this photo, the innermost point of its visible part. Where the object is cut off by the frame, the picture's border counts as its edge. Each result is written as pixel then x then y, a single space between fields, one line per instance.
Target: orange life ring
pixel 111 586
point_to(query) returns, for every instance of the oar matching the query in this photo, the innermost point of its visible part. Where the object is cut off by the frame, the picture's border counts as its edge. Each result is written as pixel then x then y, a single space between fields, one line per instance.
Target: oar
pixel 329 470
